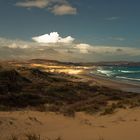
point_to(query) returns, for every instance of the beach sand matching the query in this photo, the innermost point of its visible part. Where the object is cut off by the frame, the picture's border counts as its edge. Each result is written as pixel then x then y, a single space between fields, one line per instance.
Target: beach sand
pixel 123 125
pixel 108 82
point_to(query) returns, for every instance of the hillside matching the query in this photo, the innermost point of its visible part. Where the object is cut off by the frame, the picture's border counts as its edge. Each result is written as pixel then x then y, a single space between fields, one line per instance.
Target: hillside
pixel 23 86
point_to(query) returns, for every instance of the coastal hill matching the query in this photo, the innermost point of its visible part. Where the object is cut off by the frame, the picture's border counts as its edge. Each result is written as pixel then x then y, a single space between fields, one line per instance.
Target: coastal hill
pixel 52 100
pixel 29 84
pixel 100 63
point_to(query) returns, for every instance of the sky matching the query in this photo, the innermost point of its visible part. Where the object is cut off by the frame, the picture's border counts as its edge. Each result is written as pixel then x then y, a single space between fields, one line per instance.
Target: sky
pixel 70 30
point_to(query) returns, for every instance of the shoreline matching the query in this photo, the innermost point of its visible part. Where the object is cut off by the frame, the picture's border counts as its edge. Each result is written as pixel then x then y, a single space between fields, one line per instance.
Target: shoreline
pixel 111 83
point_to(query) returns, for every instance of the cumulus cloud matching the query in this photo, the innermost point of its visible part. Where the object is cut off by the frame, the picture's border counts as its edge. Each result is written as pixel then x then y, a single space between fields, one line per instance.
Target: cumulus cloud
pixel 57 7
pixel 64 10
pixel 57 47
pixel 53 38
pixel 84 48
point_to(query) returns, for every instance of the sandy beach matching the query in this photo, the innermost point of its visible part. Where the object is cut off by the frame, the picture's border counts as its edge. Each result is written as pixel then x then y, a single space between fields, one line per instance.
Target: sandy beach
pixel 111 83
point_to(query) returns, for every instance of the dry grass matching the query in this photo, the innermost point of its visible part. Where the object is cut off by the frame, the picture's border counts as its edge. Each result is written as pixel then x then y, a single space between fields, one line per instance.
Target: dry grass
pixel 32 137
pixel 13 138
pixel 43 91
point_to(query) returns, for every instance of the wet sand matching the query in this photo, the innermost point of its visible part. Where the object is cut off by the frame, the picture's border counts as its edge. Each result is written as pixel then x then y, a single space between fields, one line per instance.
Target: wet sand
pixel 111 83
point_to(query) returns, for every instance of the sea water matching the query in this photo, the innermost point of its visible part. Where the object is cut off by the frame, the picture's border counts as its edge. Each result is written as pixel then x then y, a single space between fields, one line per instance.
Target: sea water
pixel 120 72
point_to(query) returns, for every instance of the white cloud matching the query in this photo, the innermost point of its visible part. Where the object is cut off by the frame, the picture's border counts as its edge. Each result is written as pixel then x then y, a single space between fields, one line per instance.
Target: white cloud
pixel 64 10
pixel 53 38
pixel 57 7
pixel 63 51
pixel 33 3
pixel 84 48
pixel 13 44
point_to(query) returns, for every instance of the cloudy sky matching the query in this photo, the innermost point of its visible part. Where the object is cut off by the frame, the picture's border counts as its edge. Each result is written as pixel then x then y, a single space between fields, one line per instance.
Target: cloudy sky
pixel 70 30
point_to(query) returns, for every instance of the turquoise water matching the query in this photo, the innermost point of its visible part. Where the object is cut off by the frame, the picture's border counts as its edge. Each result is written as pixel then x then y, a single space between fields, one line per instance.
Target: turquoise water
pixel 120 72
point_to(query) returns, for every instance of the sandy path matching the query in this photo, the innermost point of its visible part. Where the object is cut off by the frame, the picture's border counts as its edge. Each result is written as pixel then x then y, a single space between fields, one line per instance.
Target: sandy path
pixel 123 125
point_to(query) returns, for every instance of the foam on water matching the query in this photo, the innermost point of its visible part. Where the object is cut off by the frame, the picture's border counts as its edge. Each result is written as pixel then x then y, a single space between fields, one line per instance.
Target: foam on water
pixel 128 73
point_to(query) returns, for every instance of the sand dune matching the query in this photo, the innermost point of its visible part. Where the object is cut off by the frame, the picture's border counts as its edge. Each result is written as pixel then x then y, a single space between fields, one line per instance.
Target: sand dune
pixel 31 88
pixel 123 125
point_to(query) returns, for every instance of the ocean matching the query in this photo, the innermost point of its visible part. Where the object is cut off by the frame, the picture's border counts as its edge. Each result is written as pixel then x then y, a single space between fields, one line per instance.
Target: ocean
pixel 129 73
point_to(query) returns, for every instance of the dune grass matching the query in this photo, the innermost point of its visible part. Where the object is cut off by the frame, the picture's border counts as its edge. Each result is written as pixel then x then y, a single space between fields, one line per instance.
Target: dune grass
pixel 33 137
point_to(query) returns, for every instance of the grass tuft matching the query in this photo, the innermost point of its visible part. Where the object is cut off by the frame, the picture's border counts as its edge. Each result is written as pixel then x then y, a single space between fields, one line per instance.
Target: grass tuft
pixel 33 137
pixel 13 138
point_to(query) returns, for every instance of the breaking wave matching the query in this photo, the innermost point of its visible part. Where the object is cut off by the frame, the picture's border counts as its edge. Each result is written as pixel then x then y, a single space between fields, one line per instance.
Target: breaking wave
pixel 128 73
